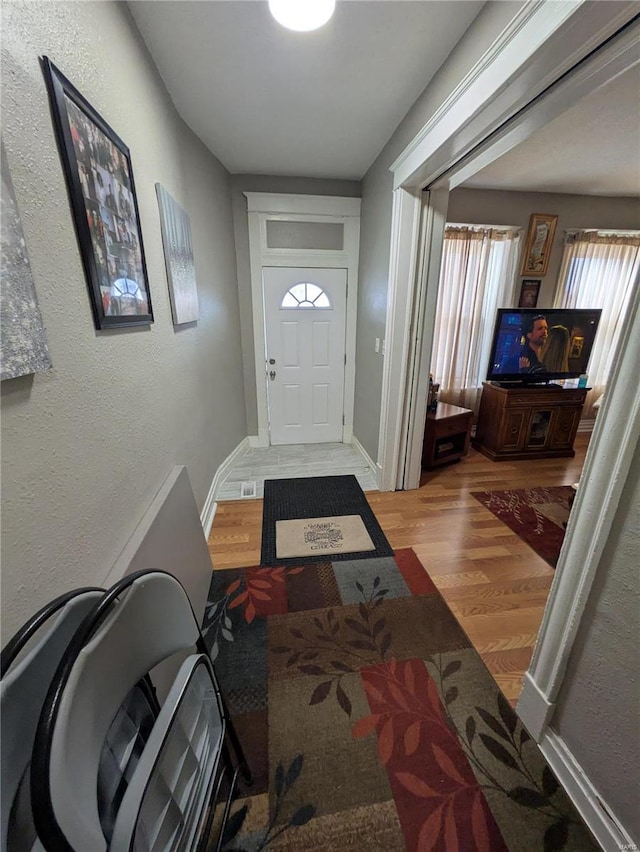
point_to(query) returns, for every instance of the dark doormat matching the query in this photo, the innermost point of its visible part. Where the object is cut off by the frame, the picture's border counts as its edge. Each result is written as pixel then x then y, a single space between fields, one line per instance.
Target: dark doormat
pixel 317 497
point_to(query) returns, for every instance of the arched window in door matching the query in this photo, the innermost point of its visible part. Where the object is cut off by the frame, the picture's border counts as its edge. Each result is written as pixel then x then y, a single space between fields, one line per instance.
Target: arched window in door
pixel 305 295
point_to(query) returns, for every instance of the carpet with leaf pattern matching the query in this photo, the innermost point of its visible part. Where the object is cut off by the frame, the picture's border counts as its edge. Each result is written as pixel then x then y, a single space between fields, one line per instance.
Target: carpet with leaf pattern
pixel 369 721
pixel 537 515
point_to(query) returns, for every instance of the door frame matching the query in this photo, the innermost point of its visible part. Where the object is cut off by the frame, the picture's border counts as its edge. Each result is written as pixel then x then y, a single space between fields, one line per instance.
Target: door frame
pixel 263 207
pixel 495 107
pixel 463 137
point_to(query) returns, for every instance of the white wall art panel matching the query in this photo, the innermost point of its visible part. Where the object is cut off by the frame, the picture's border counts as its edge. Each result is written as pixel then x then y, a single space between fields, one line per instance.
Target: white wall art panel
pixel 24 340
pixel 178 256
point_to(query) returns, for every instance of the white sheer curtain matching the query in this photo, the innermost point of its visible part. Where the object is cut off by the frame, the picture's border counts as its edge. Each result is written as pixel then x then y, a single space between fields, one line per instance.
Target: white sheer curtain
pixel 599 270
pixel 477 276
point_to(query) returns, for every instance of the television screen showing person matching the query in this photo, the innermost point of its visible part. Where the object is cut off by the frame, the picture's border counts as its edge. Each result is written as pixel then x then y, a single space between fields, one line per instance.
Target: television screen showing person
pixel 554 353
pixel 535 331
pixel 530 346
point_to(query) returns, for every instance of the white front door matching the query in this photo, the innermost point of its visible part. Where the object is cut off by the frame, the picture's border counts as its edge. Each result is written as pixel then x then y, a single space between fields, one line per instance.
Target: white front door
pixel 305 312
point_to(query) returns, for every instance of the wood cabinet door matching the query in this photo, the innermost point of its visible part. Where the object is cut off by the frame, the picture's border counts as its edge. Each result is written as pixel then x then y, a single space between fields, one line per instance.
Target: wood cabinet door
pixel 514 429
pixel 564 427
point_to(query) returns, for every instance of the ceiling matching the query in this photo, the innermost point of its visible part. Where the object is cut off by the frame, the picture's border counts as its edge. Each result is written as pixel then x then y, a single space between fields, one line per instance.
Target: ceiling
pixel 266 100
pixel 592 149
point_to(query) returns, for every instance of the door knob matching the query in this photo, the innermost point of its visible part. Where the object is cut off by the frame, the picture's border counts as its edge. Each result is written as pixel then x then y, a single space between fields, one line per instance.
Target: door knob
pixel 272 374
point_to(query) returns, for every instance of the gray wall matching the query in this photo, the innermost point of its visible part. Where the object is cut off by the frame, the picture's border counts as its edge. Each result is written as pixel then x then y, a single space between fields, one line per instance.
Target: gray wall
pixel 265 183
pixel 86 445
pixel 495 207
pixel 597 708
pixel 377 200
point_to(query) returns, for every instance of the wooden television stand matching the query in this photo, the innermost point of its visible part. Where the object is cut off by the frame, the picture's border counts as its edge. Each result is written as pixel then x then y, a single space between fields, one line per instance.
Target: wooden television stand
pixel 528 422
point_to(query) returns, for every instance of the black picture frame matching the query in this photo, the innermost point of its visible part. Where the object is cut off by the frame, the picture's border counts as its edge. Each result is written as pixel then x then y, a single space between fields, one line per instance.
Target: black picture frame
pixel 529 292
pixel 99 175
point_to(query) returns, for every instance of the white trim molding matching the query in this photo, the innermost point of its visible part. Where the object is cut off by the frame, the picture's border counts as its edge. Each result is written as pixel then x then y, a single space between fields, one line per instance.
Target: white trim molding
pixel 263 207
pixel 374 468
pixel 404 250
pixel 575 49
pixel 540 44
pixel 431 244
pixel 512 73
pixel 308 207
pixel 615 58
pixel 590 805
pixel 533 707
pixel 209 509
pixel 614 441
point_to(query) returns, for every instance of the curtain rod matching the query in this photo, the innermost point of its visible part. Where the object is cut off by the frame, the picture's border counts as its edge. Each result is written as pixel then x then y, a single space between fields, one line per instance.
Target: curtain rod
pixel 604 232
pixel 495 227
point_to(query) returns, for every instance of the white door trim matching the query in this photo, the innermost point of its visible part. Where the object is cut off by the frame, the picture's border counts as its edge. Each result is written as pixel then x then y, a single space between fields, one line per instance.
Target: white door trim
pixel 568 30
pixel 435 220
pixel 611 448
pixel 404 250
pixel 541 43
pixel 262 207
pixel 515 69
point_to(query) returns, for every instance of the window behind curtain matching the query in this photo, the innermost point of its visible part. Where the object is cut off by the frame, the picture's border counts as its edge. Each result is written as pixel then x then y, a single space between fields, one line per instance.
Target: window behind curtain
pixel 477 276
pixel 599 270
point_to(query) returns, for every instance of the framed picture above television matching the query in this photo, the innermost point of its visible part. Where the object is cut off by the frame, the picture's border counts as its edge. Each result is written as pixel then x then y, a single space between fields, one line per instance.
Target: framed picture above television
pixel 537 249
pixel 99 176
pixel 529 291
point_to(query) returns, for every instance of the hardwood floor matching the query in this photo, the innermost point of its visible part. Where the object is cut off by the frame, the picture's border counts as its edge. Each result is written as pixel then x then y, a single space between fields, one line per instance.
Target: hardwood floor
pixel 494 583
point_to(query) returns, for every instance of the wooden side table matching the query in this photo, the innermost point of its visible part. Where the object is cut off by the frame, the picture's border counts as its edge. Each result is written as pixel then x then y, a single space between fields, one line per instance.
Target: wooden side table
pixel 446 435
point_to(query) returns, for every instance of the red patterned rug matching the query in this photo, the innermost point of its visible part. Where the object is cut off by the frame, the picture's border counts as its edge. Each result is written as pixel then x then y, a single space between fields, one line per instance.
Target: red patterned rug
pixel 369 721
pixel 537 515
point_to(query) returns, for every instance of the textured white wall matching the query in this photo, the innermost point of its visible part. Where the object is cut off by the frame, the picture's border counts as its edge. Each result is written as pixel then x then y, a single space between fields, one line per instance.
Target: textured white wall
pixel 597 708
pixel 377 202
pixel 86 445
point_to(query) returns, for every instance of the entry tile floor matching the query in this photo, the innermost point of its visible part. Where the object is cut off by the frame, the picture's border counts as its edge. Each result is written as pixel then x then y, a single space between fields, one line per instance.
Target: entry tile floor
pixel 293 461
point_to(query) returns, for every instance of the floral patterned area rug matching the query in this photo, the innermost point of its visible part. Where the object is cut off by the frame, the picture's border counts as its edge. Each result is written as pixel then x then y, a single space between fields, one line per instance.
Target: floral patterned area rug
pixel 537 515
pixel 369 721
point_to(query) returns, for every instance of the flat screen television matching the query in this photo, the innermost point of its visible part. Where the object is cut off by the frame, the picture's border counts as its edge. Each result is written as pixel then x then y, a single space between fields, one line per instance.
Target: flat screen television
pixel 534 346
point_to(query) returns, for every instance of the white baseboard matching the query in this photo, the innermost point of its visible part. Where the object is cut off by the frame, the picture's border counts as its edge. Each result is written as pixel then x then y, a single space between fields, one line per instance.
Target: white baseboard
pixel 375 469
pixel 208 512
pixel 591 807
pixel 586 425
pixel 533 708
pixel 209 509
pixel 260 440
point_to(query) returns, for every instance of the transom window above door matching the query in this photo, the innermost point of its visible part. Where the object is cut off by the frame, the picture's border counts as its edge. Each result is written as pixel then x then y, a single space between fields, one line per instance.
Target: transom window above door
pixel 305 295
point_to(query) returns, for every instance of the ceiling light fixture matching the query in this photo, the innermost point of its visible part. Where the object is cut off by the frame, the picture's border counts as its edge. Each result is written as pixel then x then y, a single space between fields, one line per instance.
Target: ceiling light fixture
pixel 302 15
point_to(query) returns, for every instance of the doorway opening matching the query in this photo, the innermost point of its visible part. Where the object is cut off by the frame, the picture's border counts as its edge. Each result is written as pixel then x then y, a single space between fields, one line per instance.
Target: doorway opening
pixel 417 239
